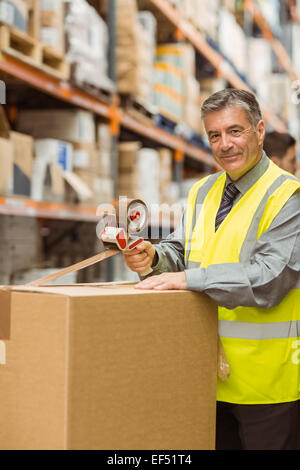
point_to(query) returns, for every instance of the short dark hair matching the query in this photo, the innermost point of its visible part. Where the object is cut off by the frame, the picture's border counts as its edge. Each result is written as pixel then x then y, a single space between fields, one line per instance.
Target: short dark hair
pixel 232 97
pixel 276 143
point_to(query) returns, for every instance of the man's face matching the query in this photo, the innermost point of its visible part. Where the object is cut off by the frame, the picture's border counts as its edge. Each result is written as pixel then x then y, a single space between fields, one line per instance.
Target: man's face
pixel 236 146
pixel 288 162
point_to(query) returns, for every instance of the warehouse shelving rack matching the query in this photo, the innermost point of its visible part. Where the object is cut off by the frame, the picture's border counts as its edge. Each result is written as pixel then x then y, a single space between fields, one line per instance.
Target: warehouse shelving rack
pixel 267 32
pixel 188 31
pixel 117 117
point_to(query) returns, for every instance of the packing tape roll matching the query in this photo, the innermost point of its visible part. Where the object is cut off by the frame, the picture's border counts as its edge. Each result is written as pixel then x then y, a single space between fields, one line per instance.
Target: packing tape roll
pixel 132 215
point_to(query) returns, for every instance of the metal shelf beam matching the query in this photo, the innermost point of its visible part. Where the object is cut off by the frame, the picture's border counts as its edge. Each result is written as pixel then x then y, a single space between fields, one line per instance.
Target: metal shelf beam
pixel 47 210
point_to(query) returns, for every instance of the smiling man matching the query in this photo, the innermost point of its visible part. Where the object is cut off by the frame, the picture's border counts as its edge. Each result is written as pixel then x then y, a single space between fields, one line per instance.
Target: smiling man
pixel 239 242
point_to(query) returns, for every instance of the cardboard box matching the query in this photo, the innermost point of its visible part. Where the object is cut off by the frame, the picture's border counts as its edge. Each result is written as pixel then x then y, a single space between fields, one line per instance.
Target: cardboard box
pixel 128 155
pixel 23 146
pixel 4 124
pixel 14 12
pixel 70 125
pixel 107 367
pixel 52 24
pixel 85 156
pixel 6 167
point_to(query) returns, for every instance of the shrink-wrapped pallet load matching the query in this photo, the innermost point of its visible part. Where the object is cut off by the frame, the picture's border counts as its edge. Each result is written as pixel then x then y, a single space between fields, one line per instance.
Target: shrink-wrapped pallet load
pixel 87 45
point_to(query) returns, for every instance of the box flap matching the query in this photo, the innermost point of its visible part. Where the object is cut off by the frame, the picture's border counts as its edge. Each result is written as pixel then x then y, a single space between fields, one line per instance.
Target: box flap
pixel 5 302
pixel 79 186
pixel 86 290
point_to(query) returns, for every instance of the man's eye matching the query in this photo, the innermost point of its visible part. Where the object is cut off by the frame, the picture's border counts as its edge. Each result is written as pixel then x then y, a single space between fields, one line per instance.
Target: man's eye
pixel 214 137
pixel 236 132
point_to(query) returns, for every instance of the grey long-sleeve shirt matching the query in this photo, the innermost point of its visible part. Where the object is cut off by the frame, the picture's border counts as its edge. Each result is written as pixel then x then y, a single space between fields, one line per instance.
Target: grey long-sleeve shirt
pixel 274 267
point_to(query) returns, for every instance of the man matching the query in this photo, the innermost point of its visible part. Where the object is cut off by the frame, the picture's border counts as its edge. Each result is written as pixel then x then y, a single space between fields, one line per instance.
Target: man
pixel 239 242
pixel 281 148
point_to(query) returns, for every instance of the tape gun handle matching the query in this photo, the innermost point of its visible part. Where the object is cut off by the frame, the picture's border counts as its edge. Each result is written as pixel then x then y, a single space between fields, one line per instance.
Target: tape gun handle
pixel 131 245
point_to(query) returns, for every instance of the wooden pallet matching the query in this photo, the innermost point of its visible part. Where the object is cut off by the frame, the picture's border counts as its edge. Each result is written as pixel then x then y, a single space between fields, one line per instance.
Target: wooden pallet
pixel 137 109
pixel 103 94
pixel 16 43
pixel 54 62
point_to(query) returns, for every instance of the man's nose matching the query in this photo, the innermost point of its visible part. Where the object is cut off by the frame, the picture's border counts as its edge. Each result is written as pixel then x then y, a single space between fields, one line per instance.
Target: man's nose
pixel 226 143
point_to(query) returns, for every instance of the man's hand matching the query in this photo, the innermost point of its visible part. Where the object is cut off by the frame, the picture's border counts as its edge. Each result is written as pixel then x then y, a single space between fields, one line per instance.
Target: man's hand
pixel 141 257
pixel 165 281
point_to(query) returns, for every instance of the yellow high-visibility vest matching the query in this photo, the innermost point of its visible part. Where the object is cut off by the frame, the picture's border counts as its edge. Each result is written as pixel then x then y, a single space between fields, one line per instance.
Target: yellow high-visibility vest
pixel 262 345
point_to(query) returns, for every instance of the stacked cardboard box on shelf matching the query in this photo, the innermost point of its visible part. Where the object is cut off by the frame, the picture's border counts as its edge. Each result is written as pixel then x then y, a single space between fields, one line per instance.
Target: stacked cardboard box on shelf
pixel 6 167
pixel 169 80
pixel 14 13
pixel 146 31
pixel 67 150
pixel 135 51
pixel 87 45
pixel 165 176
pixel 104 190
pixel 203 14
pixel 139 173
pixel 52 24
pixel 16 160
pixel 176 90
pixel 92 165
pixel 23 157
pixel 229 33
pixel 148 167
pixel 191 109
pixel 276 89
pixel 259 61
pixel 128 177
pixel 146 174
pixel 61 124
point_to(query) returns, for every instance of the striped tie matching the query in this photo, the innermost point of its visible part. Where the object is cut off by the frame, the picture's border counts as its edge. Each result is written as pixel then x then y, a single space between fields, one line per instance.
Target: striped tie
pixel 229 195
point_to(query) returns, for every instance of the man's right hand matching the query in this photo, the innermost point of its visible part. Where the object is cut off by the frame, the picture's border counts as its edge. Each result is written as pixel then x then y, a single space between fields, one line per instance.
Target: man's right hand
pixel 141 257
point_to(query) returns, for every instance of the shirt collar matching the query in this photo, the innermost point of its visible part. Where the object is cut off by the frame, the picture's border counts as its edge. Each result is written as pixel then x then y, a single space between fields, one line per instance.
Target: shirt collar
pixel 249 179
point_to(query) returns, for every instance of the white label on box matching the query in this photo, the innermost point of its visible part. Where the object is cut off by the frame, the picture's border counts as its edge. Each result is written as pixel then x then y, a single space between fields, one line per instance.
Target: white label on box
pixel 7 13
pixel 2 353
pixel 81 158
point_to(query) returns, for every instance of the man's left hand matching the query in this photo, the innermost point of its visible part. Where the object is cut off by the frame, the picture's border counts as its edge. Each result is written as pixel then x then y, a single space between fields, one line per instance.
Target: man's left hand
pixel 165 281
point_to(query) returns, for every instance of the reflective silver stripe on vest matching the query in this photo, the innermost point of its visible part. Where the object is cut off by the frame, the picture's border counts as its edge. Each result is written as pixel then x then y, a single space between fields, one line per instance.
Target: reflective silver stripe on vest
pixel 258 331
pixel 201 195
pixel 251 237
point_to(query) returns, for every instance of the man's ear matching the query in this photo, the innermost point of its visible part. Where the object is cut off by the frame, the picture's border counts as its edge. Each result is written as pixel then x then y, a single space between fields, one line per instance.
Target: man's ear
pixel 261 132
